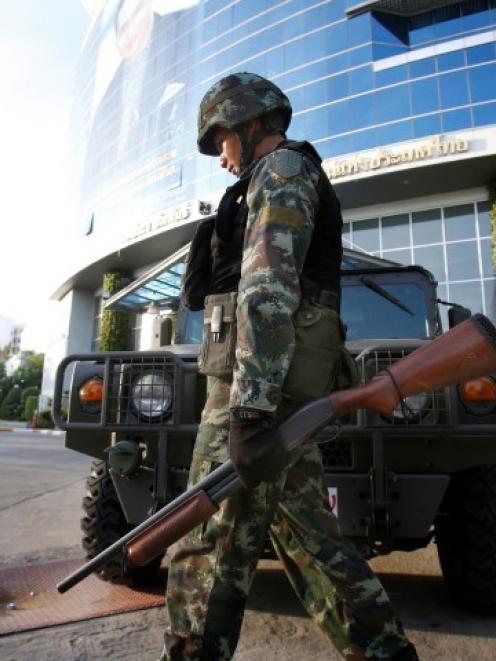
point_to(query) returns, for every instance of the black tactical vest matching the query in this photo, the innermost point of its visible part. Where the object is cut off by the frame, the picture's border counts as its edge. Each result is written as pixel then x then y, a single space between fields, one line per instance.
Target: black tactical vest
pixel 214 262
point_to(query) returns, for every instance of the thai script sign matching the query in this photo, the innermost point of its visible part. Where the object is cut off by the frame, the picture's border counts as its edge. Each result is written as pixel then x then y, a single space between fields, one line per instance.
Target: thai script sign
pixel 435 147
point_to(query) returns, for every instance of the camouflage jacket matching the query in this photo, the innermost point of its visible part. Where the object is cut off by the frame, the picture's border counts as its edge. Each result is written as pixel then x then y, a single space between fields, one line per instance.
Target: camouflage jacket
pixel 282 205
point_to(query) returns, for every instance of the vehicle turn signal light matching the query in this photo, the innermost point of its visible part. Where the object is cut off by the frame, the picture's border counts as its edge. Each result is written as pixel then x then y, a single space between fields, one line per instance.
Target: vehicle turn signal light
pixel 479 390
pixel 91 395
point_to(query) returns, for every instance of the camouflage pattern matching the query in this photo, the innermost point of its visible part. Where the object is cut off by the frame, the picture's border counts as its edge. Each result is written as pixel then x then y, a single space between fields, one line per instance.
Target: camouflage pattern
pixel 212 569
pixel 282 202
pixel 230 102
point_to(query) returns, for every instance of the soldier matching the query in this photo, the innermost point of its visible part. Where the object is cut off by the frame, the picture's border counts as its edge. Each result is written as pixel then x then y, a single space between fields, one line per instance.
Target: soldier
pixel 271 262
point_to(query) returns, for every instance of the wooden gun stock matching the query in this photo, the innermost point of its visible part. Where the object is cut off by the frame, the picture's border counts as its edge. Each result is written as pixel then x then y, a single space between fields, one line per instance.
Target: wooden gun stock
pixel 466 352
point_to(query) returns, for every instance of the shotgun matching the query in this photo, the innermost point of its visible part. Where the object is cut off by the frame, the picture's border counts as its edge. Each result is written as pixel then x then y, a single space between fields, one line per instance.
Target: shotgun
pixel 465 352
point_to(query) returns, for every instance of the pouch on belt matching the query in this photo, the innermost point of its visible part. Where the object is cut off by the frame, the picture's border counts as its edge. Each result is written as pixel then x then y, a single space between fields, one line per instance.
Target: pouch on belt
pixel 320 362
pixel 217 353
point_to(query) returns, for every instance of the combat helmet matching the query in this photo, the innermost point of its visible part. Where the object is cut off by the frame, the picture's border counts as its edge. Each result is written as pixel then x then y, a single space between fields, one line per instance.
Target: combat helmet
pixel 234 100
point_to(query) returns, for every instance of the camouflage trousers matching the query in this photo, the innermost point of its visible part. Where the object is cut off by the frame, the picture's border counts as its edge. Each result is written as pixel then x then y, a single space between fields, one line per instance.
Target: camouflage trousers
pixel 212 569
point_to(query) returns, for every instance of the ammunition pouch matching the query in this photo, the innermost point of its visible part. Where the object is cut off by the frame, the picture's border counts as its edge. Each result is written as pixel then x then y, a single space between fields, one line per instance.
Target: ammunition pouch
pixel 320 362
pixel 217 353
pixel 199 266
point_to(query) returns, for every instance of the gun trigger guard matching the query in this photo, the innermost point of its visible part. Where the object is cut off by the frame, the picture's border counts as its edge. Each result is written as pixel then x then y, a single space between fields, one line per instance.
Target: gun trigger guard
pixel 338 428
pixel 405 409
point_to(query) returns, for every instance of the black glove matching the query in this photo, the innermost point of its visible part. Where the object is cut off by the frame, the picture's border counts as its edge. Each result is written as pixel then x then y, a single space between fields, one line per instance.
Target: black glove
pixel 256 454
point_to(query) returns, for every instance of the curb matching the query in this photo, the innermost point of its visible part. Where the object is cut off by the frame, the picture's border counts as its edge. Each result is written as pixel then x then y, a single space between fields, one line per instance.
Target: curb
pixel 28 430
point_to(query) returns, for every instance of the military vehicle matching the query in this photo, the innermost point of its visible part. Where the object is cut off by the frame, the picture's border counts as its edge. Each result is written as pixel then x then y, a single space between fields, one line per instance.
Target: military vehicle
pixel 428 472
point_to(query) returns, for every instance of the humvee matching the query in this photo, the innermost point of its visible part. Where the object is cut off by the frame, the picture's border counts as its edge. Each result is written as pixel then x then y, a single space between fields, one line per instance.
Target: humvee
pixel 427 472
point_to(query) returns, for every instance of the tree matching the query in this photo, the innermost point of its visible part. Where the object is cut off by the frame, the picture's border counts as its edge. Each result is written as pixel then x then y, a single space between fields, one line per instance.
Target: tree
pixel 11 404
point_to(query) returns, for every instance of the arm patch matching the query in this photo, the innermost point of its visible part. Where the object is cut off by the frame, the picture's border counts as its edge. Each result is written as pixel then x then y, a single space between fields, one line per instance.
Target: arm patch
pixel 286 163
pixel 285 216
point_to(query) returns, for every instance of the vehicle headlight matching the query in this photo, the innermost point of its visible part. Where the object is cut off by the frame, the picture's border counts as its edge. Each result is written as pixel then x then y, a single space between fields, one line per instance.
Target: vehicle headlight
pixel 151 394
pixel 414 408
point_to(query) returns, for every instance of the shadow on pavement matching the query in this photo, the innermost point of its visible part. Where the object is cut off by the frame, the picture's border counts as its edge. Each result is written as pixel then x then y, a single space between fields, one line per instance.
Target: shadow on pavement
pixel 421 602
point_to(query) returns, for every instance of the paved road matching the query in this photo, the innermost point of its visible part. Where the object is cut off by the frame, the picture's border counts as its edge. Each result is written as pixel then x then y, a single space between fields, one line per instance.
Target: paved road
pixel 41 485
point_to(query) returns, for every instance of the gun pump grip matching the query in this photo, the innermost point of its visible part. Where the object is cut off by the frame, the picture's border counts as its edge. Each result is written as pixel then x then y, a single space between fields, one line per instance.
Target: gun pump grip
pixel 156 539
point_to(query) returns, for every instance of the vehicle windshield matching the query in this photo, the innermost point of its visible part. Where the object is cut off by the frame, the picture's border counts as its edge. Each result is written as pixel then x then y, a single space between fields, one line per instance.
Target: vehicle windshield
pixel 368 314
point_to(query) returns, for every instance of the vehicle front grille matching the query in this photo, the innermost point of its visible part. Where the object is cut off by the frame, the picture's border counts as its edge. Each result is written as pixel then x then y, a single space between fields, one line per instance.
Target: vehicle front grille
pixel 426 409
pixel 336 452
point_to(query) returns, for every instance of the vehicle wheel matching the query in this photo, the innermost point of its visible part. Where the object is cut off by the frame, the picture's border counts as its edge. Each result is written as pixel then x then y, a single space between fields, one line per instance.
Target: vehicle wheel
pixel 466 539
pixel 103 523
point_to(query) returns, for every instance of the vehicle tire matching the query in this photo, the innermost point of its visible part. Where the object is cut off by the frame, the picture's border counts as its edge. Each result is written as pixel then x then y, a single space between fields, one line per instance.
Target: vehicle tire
pixel 104 523
pixel 466 539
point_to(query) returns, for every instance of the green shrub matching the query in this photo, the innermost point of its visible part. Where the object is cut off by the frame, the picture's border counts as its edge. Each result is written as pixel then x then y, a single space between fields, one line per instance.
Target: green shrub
pixel 44 420
pixel 11 405
pixel 115 333
pixel 30 407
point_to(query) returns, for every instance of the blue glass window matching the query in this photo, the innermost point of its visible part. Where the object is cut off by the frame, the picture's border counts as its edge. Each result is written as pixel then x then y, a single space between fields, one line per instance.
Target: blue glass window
pixel 485 225
pixel 424 95
pixel 297 129
pixel 338 86
pixel 315 45
pixel 394 132
pixel 401 256
pixel 389 29
pixel 432 259
pixel 297 98
pixel 360 55
pixel 427 226
pixel 421 29
pixel 482 53
pixel 463 261
pixel 487 258
pixel 316 93
pixel 363 140
pixel 361 111
pixel 483 82
pixel 453 60
pixel 339 117
pixel 395 231
pixel 359 30
pixel 361 79
pixel 468 294
pixel 391 103
pixel 315 18
pixel 456 119
pixel 485 114
pixel 381 51
pixel 336 9
pixel 390 76
pixel 490 295
pixel 428 125
pixel 339 146
pixel 337 37
pixel 338 63
pixel 453 88
pixel 316 124
pixel 459 222
pixel 274 62
pixel 422 67
pixel 366 235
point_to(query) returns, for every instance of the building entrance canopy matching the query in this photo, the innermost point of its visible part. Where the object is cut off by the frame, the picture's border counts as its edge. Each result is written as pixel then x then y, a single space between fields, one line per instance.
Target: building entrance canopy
pixel 161 285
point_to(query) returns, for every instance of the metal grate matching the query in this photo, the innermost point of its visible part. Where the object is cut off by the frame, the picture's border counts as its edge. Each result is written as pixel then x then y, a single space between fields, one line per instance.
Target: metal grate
pixel 426 409
pixel 140 389
pixel 336 452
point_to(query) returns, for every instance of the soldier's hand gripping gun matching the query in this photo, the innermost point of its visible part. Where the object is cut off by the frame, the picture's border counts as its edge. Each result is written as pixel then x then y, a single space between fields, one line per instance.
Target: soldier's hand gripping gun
pixel 466 352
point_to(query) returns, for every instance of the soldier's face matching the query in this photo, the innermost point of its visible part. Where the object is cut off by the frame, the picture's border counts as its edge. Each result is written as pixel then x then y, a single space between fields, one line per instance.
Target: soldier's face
pixel 228 145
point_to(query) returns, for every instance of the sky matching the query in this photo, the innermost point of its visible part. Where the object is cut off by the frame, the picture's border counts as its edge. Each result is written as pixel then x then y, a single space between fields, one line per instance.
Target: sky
pixel 40 42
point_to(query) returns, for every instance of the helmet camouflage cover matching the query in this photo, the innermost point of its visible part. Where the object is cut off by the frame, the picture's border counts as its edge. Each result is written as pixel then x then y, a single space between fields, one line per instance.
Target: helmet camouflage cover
pixel 235 99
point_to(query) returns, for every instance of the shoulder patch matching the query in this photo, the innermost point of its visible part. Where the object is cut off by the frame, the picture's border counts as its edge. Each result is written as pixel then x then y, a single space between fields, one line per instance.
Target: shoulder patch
pixel 287 163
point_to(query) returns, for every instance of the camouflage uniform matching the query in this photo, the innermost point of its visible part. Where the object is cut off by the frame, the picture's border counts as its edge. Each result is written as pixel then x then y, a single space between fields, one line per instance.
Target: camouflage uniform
pixel 212 569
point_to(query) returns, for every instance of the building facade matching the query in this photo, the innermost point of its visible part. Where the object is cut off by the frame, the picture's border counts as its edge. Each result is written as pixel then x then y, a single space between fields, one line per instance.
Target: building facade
pixel 398 96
